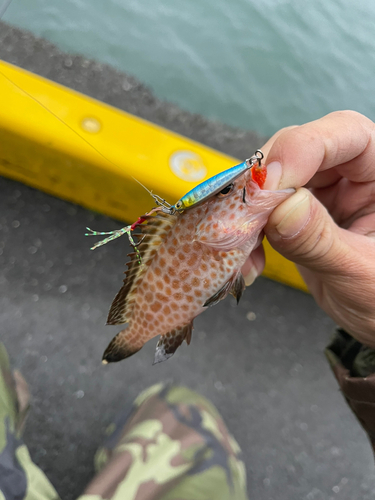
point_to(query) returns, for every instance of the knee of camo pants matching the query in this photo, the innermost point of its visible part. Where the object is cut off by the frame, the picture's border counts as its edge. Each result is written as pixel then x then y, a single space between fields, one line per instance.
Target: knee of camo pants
pixel 20 478
pixel 173 444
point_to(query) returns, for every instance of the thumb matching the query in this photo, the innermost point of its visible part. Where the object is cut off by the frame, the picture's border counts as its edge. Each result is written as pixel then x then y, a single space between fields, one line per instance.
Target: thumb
pixel 302 230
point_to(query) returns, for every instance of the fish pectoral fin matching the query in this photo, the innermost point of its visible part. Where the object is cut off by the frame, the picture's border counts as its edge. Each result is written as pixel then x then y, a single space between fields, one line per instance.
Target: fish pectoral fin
pixel 120 347
pixel 235 285
pixel 238 287
pixel 169 342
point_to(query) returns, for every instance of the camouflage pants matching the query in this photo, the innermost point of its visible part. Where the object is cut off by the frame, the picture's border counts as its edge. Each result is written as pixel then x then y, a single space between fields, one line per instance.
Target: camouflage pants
pixel 173 446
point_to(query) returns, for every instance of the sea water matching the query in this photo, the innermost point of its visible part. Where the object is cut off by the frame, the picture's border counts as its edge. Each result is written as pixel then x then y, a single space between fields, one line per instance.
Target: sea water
pixel 256 64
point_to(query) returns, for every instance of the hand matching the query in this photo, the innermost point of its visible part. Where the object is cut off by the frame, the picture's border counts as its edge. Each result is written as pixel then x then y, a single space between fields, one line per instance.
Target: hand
pixel 328 226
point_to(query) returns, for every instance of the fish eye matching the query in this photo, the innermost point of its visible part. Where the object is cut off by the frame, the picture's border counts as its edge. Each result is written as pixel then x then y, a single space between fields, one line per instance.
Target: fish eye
pixel 228 189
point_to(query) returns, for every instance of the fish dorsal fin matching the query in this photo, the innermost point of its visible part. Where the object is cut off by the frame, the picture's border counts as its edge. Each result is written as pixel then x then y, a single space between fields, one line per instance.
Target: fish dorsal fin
pixel 153 233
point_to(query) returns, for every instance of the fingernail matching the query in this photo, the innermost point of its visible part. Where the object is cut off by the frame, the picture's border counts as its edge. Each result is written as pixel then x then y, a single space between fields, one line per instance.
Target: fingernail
pixel 274 172
pixel 294 214
pixel 251 276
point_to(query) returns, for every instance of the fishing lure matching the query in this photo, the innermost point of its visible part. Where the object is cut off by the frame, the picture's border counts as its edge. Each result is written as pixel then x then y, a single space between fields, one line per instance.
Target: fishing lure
pixel 197 195
pixel 188 257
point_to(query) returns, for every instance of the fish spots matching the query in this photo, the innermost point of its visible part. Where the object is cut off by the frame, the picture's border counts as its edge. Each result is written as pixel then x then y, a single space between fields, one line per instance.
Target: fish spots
pixel 155 307
pixel 186 248
pixel 195 282
pixel 184 274
pixel 162 250
pixel 181 256
pixel 149 296
pixel 192 259
pixel 161 297
pixel 206 283
pixel 167 279
pixel 185 307
pixel 204 267
pixel 195 246
pixel 175 284
pixel 157 271
pixel 209 218
pixel 149 317
pixel 178 296
pixel 198 293
pixel 190 226
pixel 232 216
pixel 174 306
pixel 166 309
pixel 230 262
pixel 168 291
pixel 172 271
pixel 159 284
pixel 186 287
pixel 232 206
pixel 189 298
pixel 162 262
pixel 171 250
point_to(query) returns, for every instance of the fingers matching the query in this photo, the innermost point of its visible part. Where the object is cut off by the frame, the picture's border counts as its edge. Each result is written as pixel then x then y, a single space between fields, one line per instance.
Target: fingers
pixel 347 201
pixel 343 140
pixel 302 230
pixel 253 266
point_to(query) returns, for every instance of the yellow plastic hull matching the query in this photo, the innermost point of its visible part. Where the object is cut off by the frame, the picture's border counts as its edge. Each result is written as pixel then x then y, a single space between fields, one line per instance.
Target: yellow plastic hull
pixel 87 152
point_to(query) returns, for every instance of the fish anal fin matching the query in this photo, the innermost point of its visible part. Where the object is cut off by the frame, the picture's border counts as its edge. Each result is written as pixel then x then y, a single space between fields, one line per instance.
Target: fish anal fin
pixel 169 342
pixel 120 347
pixel 235 285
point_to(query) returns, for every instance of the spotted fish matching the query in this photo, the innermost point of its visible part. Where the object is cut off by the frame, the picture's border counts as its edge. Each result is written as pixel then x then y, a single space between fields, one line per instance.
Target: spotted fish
pixel 188 261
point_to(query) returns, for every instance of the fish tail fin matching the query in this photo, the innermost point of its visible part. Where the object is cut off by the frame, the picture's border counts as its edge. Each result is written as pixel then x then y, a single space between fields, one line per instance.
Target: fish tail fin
pixel 121 346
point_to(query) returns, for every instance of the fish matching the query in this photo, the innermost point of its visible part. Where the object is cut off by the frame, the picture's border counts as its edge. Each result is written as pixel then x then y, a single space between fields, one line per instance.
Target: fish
pixel 188 259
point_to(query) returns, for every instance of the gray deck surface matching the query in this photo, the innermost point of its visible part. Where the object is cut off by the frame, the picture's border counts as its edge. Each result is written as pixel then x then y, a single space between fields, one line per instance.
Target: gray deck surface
pixel 267 376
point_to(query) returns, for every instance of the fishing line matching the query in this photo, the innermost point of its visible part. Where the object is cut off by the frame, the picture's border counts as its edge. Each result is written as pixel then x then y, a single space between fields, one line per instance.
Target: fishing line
pixel 114 234
pixel 60 120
